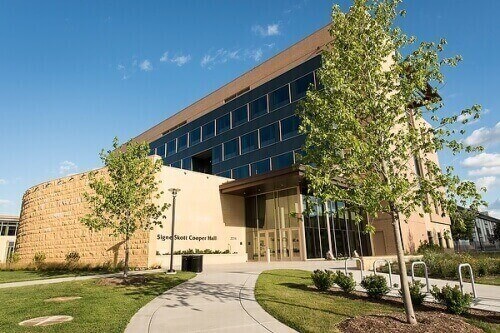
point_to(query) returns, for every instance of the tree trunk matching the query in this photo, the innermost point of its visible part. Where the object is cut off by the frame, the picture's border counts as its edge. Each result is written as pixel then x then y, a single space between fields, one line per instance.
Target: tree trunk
pixel 410 313
pixel 125 266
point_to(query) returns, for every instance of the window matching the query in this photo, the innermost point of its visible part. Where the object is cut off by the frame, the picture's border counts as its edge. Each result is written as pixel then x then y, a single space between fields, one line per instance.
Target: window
pixel 289 127
pixel 258 107
pixel 152 151
pixel 279 98
pixel 186 163
pixel 268 135
pixel 241 172
pixel 418 169
pixel 182 142
pixel 226 174
pixel 160 150
pixel 217 154
pixel 194 136
pixel 231 149
pixel 282 161
pixel 240 116
pixel 261 167
pixel 223 123
pixel 249 142
pixel 176 164
pixel 171 148
pixel 300 86
pixel 208 130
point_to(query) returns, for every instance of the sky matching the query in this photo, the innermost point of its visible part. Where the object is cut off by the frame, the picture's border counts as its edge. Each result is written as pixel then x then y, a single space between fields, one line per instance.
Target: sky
pixel 75 74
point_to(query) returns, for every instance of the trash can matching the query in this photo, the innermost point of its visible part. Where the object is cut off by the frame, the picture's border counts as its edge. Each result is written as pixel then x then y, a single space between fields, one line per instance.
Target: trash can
pixel 192 263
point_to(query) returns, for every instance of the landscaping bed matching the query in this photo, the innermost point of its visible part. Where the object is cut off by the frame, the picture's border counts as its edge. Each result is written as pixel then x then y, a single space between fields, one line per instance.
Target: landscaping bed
pixel 485 266
pixel 289 296
pixel 104 306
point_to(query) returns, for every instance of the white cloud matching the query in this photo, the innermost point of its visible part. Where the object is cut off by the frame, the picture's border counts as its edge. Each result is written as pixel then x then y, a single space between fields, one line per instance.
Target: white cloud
pixel 4 202
pixel 146 66
pixel 181 60
pixel 120 67
pixel 485 171
pixel 3 181
pixel 67 167
pixel 483 164
pixel 484 135
pixel 220 56
pixel 494 208
pixel 265 31
pixel 164 57
pixel 255 54
pixel 482 160
pixel 486 182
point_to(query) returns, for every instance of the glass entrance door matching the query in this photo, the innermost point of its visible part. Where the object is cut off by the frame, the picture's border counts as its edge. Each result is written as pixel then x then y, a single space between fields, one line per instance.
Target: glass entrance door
pixel 267 240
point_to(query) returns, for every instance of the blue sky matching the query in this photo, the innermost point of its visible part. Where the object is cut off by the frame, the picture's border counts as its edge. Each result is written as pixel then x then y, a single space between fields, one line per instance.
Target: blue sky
pixel 75 74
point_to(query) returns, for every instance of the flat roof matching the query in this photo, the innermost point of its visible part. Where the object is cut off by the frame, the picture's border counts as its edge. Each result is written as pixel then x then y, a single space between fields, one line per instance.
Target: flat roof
pixel 293 56
pixel 14 218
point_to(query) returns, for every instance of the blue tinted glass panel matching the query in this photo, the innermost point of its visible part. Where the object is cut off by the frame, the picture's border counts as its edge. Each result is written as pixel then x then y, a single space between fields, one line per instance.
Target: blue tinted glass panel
pixel 240 116
pixel 182 142
pixel 231 149
pixel 217 154
pixel 152 151
pixel 208 130
pixel 268 135
pixel 279 98
pixel 300 86
pixel 194 136
pixel 282 161
pixel 186 163
pixel 261 167
pixel 171 148
pixel 176 164
pixel 258 107
pixel 249 142
pixel 223 123
pixel 289 127
pixel 160 151
pixel 226 174
pixel 241 172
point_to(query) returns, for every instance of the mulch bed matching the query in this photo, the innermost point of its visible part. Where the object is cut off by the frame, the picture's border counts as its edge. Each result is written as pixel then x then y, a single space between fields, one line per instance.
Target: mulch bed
pixel 437 322
pixel 133 280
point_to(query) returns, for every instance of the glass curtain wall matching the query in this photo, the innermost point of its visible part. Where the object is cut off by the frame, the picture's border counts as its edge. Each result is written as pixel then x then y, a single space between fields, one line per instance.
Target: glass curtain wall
pixel 272 224
pixel 330 227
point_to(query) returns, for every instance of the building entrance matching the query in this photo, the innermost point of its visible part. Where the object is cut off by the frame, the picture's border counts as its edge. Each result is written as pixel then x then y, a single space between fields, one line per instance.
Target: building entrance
pixel 272 224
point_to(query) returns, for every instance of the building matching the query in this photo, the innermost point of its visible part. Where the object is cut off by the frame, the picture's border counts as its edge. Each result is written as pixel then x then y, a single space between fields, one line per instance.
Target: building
pixel 483 235
pixel 240 144
pixel 8 232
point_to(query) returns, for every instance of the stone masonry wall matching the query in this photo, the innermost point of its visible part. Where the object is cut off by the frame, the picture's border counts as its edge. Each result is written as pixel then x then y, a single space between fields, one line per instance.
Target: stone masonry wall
pixel 50 223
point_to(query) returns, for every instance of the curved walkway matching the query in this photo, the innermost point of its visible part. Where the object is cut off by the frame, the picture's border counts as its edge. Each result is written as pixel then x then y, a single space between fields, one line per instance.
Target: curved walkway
pixel 221 299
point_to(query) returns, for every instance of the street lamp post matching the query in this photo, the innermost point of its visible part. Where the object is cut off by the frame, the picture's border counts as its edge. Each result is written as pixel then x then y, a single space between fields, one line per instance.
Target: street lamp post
pixel 174 192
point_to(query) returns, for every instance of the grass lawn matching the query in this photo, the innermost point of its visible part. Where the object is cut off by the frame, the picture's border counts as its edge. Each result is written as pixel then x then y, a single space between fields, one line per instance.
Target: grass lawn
pixel 492 279
pixel 286 296
pixel 102 308
pixel 27 275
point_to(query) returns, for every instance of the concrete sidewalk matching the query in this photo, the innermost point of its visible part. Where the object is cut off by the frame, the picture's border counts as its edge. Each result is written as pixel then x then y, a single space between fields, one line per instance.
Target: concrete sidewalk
pixel 71 278
pixel 221 299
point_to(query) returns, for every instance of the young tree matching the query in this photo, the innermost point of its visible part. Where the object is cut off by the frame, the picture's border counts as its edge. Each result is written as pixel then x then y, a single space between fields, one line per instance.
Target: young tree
pixel 365 126
pixel 463 223
pixel 121 198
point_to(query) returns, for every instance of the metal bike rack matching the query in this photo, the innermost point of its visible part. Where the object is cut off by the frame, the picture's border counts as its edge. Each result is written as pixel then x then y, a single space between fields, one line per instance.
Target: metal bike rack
pixel 354 259
pixel 471 278
pixel 415 263
pixel 388 264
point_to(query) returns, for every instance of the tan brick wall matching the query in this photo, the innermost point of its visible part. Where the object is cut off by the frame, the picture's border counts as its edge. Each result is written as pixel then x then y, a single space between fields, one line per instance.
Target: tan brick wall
pixel 50 223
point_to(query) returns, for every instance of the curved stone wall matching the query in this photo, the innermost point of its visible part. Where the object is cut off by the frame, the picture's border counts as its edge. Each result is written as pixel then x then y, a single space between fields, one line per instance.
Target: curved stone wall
pixel 50 223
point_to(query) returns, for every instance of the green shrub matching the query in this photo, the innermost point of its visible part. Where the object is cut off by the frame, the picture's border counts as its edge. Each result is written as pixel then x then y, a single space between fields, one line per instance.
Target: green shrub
pixel 345 282
pixel 416 294
pixel 39 259
pixel 375 286
pixel 323 280
pixel 13 258
pixel 452 298
pixel 426 247
pixel 72 257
